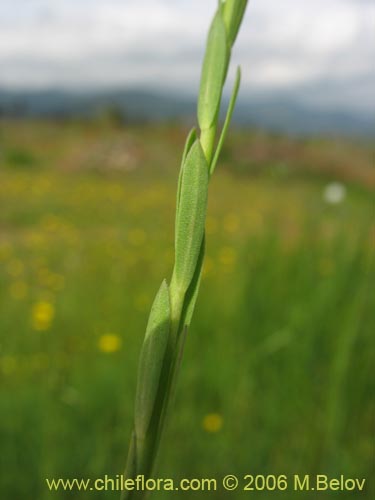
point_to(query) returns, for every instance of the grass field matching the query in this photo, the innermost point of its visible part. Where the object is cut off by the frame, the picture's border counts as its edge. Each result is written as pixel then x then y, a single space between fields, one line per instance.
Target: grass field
pixel 276 377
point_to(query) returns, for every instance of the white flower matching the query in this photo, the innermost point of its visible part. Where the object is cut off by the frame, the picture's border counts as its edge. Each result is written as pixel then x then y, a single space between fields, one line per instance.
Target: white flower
pixel 334 193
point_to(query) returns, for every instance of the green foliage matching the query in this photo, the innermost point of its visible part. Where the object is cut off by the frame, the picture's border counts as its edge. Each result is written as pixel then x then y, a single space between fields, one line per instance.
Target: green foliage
pixel 158 372
pixel 151 360
pixel 21 158
pixel 213 74
pixel 280 346
pixel 192 292
pixel 228 118
pixel 191 216
pixel 191 138
pixel 233 11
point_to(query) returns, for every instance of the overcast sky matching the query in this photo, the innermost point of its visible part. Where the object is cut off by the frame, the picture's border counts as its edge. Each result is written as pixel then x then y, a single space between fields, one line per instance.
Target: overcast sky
pixel 321 49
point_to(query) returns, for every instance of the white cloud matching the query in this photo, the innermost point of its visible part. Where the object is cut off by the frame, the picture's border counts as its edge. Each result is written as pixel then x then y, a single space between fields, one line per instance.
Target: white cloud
pixel 126 42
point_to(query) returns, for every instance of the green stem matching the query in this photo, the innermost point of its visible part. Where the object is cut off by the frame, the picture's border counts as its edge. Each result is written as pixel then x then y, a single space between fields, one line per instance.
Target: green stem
pixel 207 140
pixel 182 293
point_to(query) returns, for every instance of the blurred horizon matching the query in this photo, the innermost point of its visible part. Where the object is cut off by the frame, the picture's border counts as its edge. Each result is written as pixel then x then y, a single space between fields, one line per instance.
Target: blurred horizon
pixel 318 56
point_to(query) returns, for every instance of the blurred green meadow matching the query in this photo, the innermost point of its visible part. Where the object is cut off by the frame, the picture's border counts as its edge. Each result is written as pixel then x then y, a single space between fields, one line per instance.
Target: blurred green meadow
pixel 276 376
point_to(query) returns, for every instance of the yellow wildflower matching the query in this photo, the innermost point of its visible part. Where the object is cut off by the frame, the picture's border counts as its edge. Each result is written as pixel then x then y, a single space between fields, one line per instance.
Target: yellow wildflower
pixel 212 422
pixel 109 342
pixel 42 315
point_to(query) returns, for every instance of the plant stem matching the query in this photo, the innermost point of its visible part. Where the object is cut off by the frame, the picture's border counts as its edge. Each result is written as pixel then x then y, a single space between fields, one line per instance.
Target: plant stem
pixel 207 139
pixel 173 306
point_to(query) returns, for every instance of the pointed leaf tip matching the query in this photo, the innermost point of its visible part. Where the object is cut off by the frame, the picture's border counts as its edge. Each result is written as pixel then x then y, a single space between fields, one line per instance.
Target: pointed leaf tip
pixel 233 12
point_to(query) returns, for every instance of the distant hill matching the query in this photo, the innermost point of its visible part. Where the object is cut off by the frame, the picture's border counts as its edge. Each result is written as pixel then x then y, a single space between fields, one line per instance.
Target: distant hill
pixel 279 113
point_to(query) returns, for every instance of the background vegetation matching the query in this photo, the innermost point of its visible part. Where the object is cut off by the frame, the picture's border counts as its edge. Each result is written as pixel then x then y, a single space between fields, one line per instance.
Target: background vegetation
pixel 277 372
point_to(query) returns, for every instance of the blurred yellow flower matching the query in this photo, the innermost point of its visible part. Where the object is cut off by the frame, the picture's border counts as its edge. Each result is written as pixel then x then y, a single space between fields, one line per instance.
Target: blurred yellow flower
pixel 18 290
pixel 35 239
pixel 109 342
pixel 212 422
pixel 42 315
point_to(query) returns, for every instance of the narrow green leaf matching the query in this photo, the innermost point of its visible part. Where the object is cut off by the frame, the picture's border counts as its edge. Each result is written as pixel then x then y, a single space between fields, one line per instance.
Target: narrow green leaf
pixel 151 360
pixel 213 73
pixel 177 361
pixel 228 118
pixel 191 215
pixel 191 138
pixel 173 306
pixel 233 11
pixel 192 293
pixel 131 466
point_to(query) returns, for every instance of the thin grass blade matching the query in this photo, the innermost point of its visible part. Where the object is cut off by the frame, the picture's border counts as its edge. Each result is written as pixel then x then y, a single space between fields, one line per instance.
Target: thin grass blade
pixel 227 121
pixel 151 360
pixel 192 293
pixel 213 73
pixel 233 12
pixel 191 138
pixel 191 216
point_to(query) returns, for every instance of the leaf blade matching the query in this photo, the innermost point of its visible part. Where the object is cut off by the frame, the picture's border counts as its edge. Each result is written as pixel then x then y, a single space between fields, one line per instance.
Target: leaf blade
pixel 191 215
pixel 151 360
pixel 192 293
pixel 233 12
pixel 227 121
pixel 213 73
pixel 191 138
